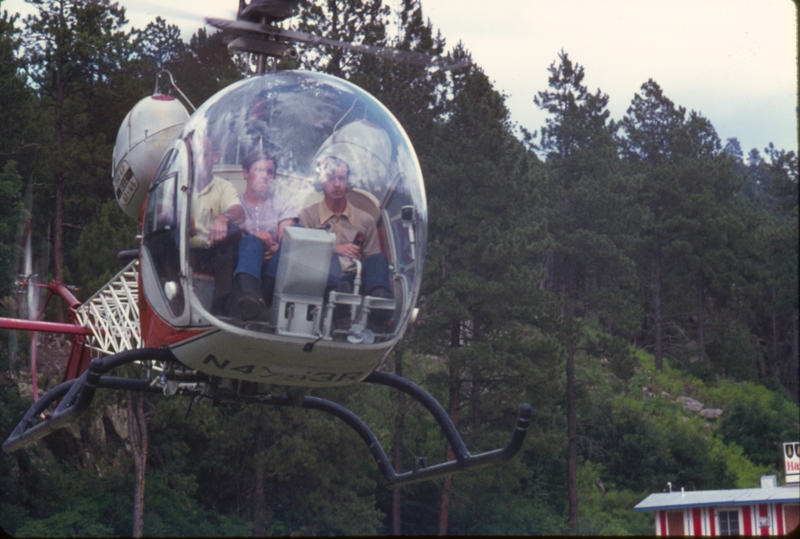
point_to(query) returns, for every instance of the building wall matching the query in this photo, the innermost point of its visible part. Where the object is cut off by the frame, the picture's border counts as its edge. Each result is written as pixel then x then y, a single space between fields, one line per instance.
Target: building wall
pixel 760 519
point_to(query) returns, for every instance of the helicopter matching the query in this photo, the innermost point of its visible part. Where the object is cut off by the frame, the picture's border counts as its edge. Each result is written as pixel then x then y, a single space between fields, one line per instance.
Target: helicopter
pixel 173 308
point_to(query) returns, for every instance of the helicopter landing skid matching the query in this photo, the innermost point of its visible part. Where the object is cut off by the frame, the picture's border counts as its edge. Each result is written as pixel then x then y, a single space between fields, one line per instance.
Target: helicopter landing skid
pixel 421 472
pixel 76 395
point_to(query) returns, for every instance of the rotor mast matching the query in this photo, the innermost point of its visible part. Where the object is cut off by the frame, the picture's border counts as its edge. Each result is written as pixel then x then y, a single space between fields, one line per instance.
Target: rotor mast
pixel 264 13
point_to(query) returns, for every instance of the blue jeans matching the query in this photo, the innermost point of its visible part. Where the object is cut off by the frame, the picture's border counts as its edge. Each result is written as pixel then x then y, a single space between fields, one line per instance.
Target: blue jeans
pixel 251 261
pixel 374 273
pixel 374 270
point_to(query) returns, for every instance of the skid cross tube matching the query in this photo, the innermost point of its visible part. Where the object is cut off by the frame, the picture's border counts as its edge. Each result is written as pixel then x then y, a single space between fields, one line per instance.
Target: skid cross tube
pixel 75 395
pixel 464 460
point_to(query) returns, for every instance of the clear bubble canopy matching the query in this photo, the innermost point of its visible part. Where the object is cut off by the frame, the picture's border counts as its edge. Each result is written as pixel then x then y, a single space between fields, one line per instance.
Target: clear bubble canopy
pixel 303 162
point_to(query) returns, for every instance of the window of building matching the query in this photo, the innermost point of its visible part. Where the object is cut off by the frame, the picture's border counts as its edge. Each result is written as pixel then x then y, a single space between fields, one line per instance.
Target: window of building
pixel 728 522
pixel 791 515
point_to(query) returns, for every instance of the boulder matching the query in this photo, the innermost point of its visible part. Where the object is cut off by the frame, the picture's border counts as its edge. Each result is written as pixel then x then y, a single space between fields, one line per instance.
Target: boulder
pixel 711 413
pixel 693 405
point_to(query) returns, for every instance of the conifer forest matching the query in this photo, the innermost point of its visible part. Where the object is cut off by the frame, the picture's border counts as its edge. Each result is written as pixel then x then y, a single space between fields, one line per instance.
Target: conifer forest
pixel 602 270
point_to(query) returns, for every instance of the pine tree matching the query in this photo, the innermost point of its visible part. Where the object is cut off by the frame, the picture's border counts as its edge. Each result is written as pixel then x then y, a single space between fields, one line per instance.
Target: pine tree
pixel 481 282
pixel 72 48
pixel 687 196
pixel 588 222
pixel 351 21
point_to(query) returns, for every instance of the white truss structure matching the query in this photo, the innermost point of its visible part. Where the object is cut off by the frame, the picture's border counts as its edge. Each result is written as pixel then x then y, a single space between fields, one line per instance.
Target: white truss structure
pixel 112 313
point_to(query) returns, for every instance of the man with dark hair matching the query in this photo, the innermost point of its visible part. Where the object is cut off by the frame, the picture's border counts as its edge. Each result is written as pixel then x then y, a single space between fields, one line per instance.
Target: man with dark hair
pixel 266 217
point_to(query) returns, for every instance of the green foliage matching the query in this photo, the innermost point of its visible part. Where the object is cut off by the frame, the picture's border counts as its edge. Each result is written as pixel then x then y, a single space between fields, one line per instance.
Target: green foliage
pixel 733 353
pixel 96 251
pixel 761 431
pixel 747 474
pixel 644 452
pixel 18 481
pixel 605 510
pixel 10 187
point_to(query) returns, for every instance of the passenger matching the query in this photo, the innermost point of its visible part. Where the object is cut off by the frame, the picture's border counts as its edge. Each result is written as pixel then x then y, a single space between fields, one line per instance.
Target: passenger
pixel 215 216
pixel 267 215
pixel 347 222
pixel 338 216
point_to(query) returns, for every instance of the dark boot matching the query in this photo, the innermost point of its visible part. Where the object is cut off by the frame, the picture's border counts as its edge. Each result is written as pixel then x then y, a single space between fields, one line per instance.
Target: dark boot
pixel 379 318
pixel 250 303
pixel 267 289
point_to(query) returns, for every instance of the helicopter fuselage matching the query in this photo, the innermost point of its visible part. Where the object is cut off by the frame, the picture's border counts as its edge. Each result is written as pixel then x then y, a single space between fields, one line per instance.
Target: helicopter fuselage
pixel 187 283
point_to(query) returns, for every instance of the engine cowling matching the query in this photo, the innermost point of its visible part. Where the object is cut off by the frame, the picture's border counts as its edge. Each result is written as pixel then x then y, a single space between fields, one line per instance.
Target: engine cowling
pixel 145 135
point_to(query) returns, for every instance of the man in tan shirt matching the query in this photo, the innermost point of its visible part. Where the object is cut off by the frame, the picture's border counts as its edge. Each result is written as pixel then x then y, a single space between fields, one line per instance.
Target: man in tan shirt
pixel 356 230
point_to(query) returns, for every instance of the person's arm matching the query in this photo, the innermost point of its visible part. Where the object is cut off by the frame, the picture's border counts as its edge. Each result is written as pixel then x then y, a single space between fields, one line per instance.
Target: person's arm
pixel 233 212
pixel 282 226
pixel 219 228
pixel 288 217
pixel 237 214
pixel 371 244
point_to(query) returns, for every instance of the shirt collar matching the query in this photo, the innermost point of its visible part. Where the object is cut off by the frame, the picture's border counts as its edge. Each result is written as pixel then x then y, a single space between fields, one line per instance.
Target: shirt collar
pixel 205 190
pixel 325 212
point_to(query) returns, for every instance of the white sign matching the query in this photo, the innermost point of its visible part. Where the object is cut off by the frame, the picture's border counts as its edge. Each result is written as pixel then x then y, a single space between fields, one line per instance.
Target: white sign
pixel 791 457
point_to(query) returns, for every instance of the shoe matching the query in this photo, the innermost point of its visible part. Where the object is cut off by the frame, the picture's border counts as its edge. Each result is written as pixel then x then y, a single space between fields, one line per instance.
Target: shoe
pixel 379 318
pixel 267 289
pixel 250 304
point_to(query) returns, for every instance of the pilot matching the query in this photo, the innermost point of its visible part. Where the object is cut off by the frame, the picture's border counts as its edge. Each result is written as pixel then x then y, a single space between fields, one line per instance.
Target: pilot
pixel 267 215
pixel 338 216
pixel 215 202
pixel 215 215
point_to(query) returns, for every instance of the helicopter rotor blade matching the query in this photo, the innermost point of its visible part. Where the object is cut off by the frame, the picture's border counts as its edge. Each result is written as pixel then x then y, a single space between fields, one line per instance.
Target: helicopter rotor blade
pixel 27 278
pixel 408 57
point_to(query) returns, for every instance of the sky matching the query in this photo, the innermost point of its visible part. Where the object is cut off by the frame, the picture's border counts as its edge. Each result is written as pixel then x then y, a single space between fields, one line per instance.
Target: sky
pixel 732 61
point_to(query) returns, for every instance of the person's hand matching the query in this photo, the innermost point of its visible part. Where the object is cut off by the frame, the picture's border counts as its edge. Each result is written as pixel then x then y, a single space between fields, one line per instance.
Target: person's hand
pixel 219 230
pixel 269 253
pixel 347 249
pixel 266 239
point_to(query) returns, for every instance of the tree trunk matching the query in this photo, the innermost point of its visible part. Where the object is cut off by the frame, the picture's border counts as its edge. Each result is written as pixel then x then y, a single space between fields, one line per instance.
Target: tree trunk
pixel 259 488
pixel 793 378
pixel 137 436
pixel 572 439
pixel 658 307
pixel 701 318
pixel 444 506
pixel 398 443
pixel 773 365
pixel 335 64
pixel 58 179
